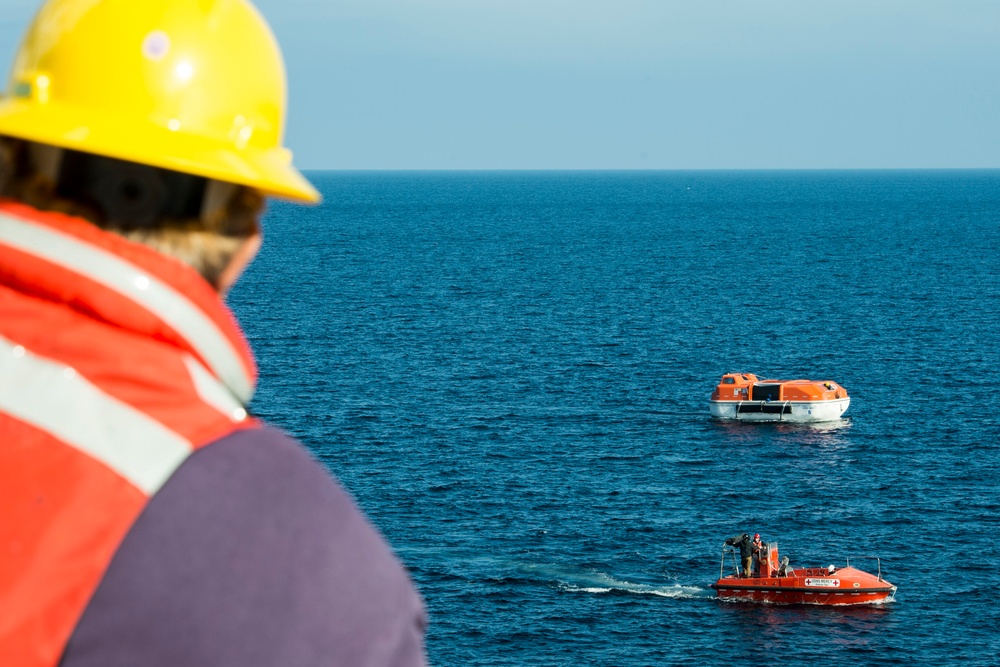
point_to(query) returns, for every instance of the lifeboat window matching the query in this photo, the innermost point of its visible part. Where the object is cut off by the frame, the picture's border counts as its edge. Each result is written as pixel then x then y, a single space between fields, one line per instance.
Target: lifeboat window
pixel 728 381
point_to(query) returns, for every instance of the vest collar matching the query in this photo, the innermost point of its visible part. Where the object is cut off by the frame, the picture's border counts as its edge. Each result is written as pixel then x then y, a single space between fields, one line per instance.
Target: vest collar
pixel 67 260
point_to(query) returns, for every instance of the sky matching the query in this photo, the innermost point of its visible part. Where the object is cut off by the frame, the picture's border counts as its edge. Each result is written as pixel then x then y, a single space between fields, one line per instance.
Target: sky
pixel 633 84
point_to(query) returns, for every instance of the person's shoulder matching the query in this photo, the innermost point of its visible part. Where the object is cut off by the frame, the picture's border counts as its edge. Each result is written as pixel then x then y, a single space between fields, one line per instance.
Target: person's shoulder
pixel 255 544
pixel 261 464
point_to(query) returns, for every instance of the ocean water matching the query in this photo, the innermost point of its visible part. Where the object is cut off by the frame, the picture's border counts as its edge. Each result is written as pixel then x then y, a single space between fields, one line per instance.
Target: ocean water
pixel 510 372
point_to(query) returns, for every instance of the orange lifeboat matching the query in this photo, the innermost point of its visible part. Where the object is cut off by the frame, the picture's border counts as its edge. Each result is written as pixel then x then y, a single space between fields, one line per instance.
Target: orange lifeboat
pixel 774 581
pixel 742 396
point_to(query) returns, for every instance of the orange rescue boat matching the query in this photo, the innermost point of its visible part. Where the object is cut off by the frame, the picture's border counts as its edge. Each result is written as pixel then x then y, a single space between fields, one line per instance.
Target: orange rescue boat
pixel 743 397
pixel 776 582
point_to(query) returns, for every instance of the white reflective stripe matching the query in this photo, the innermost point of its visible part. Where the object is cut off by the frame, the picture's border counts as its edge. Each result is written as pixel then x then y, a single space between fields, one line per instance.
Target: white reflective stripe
pixel 131 282
pixel 56 399
pixel 214 392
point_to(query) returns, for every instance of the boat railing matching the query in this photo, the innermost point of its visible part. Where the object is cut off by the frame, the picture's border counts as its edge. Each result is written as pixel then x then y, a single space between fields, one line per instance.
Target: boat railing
pixel 722 566
pixel 878 562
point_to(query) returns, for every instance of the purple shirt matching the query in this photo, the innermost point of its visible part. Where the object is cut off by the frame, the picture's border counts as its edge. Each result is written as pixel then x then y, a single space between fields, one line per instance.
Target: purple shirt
pixel 251 555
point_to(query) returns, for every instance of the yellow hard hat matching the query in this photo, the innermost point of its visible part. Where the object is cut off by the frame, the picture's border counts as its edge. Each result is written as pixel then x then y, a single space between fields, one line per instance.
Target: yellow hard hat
pixel 195 86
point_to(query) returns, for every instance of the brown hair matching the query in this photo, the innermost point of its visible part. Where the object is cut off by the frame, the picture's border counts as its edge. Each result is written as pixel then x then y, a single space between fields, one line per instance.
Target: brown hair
pixel 207 244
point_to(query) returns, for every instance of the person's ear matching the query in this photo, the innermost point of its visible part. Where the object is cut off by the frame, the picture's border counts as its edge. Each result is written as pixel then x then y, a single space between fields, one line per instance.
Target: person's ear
pixel 241 259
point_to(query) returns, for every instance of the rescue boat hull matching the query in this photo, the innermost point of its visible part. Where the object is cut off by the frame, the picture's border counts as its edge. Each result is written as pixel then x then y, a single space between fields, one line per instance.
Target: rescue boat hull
pixel 848 586
pixel 780 411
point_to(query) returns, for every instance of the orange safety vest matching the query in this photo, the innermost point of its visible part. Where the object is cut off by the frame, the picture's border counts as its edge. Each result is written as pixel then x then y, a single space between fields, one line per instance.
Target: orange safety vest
pixel 116 363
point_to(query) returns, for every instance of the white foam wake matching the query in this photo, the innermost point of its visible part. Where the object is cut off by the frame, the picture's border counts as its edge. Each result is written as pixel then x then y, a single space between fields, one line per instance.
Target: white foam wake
pixel 592 581
pixel 676 591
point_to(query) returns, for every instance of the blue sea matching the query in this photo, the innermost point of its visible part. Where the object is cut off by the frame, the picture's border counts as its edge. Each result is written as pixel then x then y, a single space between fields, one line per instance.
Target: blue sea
pixel 510 372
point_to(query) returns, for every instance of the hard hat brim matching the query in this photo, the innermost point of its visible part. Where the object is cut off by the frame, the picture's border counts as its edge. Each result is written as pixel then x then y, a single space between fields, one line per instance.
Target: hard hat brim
pixel 268 170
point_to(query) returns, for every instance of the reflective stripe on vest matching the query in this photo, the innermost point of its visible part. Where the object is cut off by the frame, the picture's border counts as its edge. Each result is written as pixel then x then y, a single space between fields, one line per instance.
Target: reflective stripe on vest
pixel 55 399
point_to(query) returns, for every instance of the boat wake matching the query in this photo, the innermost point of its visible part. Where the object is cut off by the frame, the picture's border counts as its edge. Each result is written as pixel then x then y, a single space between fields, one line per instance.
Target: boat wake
pixel 580 580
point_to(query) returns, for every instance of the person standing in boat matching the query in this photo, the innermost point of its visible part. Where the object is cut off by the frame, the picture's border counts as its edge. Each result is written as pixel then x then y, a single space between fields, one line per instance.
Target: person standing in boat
pixel 745 545
pixel 759 553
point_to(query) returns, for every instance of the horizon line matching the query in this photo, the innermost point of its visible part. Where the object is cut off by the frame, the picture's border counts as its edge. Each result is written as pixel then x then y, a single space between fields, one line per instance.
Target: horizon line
pixel 647 170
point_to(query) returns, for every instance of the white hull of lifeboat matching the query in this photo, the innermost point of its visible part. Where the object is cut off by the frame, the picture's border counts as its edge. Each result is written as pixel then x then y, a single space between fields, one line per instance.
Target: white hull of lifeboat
pixel 780 411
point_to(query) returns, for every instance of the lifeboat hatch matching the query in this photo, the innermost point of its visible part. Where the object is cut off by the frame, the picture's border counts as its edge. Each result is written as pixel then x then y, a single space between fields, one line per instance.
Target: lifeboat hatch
pixel 765 392
pixel 764 408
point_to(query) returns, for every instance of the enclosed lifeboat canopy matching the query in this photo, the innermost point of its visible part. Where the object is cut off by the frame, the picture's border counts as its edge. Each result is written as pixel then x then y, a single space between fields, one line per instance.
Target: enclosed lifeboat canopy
pixel 744 397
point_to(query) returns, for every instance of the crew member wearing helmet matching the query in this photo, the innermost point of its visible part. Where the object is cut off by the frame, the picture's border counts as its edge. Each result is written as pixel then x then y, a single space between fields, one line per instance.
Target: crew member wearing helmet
pixel 747 551
pixel 146 518
pixel 759 553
